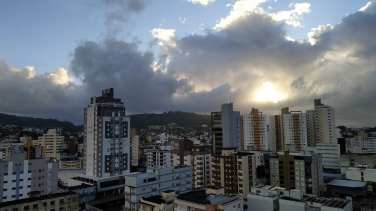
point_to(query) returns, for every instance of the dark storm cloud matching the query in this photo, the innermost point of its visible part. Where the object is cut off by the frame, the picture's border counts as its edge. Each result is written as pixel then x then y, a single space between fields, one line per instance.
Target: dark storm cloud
pixel 130 72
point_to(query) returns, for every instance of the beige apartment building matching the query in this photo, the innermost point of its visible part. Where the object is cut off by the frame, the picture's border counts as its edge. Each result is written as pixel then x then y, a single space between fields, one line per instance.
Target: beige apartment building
pixel 53 141
pixel 321 124
pixel 197 156
pixel 235 171
pixel 70 163
pixel 254 131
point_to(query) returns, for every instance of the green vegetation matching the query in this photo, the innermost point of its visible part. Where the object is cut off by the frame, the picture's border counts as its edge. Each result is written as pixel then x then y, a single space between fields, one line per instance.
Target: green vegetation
pixel 6 119
pixel 183 119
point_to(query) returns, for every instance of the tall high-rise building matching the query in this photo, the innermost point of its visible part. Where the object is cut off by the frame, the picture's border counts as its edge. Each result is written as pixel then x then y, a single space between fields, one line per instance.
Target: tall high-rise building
pixel 294 130
pixel 226 130
pixel 254 133
pixel 321 124
pixel 54 143
pixel 106 137
pixel 275 133
pixel 235 171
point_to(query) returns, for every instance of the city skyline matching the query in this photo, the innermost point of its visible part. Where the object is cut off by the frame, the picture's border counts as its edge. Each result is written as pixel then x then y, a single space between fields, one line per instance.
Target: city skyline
pixel 258 54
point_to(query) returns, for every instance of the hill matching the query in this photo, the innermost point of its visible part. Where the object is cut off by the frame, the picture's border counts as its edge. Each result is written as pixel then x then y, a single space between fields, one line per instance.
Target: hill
pixel 138 121
pixel 7 119
pixel 184 119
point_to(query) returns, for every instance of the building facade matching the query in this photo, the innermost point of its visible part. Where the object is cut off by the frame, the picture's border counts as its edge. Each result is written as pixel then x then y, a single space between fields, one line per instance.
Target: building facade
pixel 235 171
pixel 321 124
pixel 358 160
pixel 21 178
pixel 53 142
pixel 67 201
pixel 209 199
pixel 70 163
pixel 106 137
pixel 295 171
pixel 226 129
pixel 154 182
pixel 254 131
pixel 275 133
pixel 134 150
pixel 294 130
pixel 158 158
pixel 330 154
pixel 197 156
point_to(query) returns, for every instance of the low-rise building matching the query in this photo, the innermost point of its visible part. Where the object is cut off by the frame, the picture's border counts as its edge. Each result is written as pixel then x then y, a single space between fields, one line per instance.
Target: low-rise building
pixel 67 201
pixel 54 143
pixel 164 202
pixel 210 199
pixel 343 188
pixel 154 182
pixel 359 160
pixel 70 163
pixel 330 154
pixel 158 158
pixel 21 178
pixel 361 174
pixel 271 198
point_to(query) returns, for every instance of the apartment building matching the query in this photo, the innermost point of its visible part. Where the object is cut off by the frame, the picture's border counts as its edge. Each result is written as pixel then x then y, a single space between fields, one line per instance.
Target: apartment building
pixel 154 182
pixel 295 171
pixel 34 152
pixel 70 163
pixel 294 130
pixel 361 143
pixel 106 137
pixel 358 160
pixel 361 174
pixel 209 199
pixel 235 171
pixel 330 154
pixel 66 201
pixel 164 202
pixel 53 142
pixel 321 124
pixel 21 178
pixel 197 156
pixel 254 133
pixel 226 130
pixel 275 133
pixel 158 158
pixel 134 150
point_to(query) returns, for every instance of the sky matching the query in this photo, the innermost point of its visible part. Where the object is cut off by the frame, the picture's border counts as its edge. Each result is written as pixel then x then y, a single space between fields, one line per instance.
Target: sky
pixel 189 55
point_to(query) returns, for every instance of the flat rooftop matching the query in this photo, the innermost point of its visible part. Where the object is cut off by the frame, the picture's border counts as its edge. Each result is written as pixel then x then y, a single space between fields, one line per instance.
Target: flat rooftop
pixel 347 183
pixel 142 175
pixel 34 199
pixel 200 197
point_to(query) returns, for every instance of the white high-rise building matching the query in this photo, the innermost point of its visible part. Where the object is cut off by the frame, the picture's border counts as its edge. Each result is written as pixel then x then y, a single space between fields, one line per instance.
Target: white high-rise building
pixel 226 132
pixel 254 134
pixel 106 137
pixel 321 125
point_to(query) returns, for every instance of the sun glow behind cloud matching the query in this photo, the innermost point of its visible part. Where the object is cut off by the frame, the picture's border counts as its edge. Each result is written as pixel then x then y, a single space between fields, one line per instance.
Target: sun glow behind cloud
pixel 269 94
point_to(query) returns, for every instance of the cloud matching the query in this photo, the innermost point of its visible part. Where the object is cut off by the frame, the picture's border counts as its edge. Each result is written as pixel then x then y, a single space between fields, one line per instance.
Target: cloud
pixel 246 51
pixel 243 8
pixel 182 20
pixel 167 35
pixel 118 13
pixel 202 2
pixel 60 76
